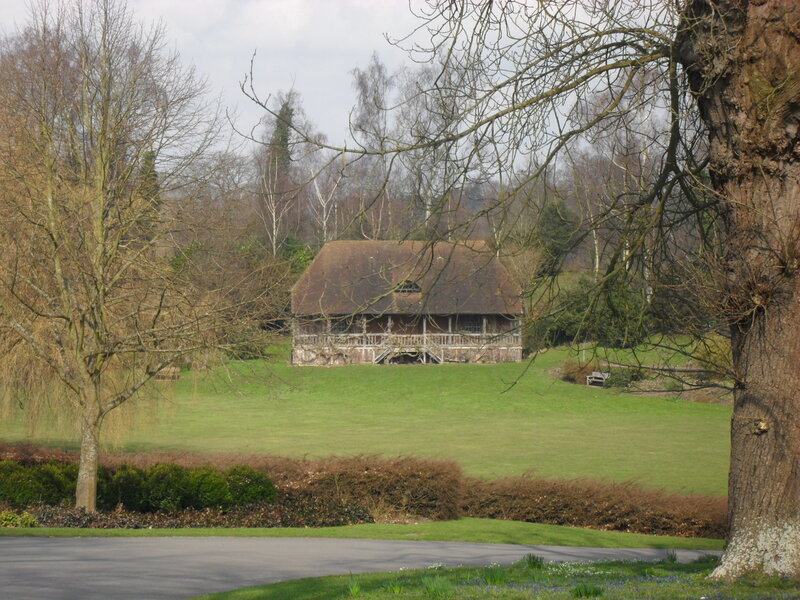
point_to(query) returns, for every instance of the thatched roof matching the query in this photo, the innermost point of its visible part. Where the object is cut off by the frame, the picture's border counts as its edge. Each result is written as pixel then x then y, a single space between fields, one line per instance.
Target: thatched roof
pixel 352 277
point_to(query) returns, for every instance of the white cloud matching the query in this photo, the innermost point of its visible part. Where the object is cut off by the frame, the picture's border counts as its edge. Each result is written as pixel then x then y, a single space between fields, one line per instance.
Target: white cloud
pixel 309 44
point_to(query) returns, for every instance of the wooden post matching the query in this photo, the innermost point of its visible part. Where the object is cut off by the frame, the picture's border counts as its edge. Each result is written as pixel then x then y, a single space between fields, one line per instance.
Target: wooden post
pixel 363 320
pixel 424 339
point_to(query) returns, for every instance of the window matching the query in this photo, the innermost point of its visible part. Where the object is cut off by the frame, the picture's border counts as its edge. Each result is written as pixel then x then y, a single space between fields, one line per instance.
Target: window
pixel 340 326
pixel 408 287
pixel 470 324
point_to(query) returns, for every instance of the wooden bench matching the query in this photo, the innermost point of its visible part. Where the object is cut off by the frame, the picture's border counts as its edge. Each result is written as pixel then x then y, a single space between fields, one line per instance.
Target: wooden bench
pixel 597 378
pixel 168 374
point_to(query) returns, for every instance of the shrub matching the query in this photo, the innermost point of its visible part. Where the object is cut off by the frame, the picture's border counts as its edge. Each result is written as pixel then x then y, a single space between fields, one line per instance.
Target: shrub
pixel 248 345
pixel 616 316
pixel 127 486
pixel 8 518
pixel 673 385
pixel 103 481
pixel 49 482
pixel 20 486
pixel 296 253
pixel 58 481
pixel 209 489
pixel 575 371
pixel 247 485
pixel 9 470
pixel 167 487
pixel 624 376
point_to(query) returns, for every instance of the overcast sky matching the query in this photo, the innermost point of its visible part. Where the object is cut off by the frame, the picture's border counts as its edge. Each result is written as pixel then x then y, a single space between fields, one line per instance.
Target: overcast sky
pixel 308 45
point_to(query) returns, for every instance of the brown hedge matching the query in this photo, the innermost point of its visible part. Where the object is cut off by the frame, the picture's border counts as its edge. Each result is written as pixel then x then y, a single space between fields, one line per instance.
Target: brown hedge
pixel 594 504
pixel 391 487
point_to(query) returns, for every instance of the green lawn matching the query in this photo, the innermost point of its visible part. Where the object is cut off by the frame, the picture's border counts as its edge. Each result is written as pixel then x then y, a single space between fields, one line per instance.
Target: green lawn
pixel 494 420
pixel 463 530
pixel 525 580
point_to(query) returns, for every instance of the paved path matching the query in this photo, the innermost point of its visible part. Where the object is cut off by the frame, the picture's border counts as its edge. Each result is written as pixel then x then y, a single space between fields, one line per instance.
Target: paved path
pixel 176 568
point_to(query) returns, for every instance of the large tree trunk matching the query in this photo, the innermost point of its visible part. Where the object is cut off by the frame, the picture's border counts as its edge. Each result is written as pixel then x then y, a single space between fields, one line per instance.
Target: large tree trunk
pixel 764 486
pixel 86 489
pixel 764 483
pixel 743 60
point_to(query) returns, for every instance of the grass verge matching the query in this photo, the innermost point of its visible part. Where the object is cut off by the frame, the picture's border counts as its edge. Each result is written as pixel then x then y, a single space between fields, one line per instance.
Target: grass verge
pixel 463 530
pixel 529 579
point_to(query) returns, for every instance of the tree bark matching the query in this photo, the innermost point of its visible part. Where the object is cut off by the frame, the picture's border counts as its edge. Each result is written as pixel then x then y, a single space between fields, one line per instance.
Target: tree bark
pixel 743 61
pixel 86 489
pixel 762 298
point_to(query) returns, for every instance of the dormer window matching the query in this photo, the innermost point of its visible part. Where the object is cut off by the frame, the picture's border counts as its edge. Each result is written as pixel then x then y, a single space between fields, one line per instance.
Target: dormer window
pixel 408 287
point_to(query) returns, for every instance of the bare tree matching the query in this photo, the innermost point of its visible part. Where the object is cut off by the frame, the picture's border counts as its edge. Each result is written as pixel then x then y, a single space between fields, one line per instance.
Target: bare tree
pixel 428 112
pixel 100 126
pixel 276 190
pixel 324 182
pixel 733 65
pixel 276 200
pixel 725 68
pixel 371 180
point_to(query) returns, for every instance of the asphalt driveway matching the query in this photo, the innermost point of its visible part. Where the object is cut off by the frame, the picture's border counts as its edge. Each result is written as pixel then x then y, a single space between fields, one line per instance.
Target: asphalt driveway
pixel 176 568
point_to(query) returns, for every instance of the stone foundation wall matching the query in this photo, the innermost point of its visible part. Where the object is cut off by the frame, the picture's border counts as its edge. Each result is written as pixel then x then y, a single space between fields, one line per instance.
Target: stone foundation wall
pixel 330 356
pixel 483 355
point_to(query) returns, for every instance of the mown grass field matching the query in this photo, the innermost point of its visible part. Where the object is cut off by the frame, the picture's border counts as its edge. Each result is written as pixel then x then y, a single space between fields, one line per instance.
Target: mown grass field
pixel 529 579
pixel 462 530
pixel 494 420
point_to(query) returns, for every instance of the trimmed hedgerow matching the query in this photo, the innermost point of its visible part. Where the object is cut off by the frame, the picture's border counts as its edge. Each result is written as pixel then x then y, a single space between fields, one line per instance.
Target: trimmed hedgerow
pixel 342 490
pixel 404 486
pixel 594 504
